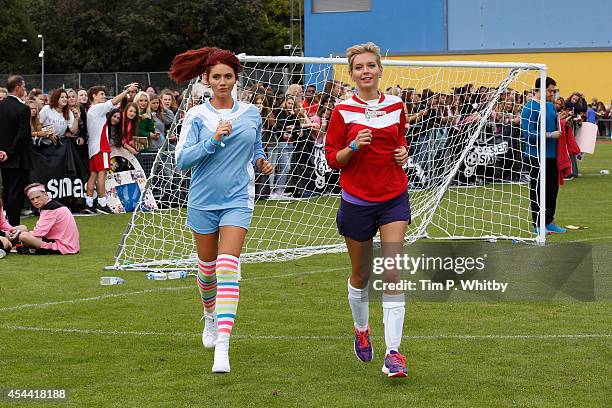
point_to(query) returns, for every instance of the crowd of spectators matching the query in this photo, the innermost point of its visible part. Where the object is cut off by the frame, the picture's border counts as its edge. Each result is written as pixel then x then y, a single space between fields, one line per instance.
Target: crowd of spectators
pixel 138 127
pixel 55 125
pixel 295 121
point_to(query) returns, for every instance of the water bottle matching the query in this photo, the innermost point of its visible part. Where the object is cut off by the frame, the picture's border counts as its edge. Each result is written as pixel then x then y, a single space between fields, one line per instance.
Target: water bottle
pixel 157 275
pixel 604 172
pixel 111 280
pixel 177 274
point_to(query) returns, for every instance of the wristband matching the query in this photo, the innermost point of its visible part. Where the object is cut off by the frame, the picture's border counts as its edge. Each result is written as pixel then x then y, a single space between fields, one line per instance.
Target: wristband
pixel 353 146
pixel 216 142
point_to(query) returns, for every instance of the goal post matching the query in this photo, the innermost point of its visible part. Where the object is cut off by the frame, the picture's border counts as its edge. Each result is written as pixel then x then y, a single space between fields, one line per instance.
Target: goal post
pixel 468 176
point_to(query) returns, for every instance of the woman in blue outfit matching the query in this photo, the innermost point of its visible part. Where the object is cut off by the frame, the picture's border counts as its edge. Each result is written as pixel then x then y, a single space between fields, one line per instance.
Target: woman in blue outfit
pixel 220 142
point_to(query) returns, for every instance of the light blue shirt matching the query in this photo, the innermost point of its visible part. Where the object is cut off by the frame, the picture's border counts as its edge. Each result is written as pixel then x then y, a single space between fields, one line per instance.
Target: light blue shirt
pixel 221 177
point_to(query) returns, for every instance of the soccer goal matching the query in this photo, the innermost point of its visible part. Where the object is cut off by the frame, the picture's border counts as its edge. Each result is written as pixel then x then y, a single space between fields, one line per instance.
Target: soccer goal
pixel 468 178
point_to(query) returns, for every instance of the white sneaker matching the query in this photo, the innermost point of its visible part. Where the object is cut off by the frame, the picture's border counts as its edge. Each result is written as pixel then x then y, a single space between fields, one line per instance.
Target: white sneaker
pixel 2 253
pixel 209 334
pixel 221 364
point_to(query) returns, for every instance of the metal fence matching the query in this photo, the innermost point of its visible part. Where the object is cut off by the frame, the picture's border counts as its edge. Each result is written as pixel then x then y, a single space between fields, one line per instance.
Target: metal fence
pixel 281 76
pixel 604 128
pixel 111 80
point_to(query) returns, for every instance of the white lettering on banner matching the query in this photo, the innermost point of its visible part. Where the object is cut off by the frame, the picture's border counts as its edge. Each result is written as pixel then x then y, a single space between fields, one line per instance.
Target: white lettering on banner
pixel 483 155
pixel 321 168
pixel 52 187
pixel 77 190
pixel 66 187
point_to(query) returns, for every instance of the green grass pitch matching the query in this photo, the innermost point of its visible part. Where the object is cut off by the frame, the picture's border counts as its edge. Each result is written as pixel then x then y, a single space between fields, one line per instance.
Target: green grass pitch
pixel 138 344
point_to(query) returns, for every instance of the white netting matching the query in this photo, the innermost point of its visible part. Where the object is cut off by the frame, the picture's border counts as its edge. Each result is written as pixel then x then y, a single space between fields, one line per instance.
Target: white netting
pixel 468 178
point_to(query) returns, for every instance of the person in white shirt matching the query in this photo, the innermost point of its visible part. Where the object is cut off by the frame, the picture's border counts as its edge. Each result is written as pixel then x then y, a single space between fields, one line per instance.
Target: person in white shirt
pixel 59 115
pixel 98 145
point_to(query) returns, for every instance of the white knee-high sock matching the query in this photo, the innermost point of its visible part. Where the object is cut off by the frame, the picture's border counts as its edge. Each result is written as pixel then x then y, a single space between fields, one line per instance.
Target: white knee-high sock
pixel 393 319
pixel 360 306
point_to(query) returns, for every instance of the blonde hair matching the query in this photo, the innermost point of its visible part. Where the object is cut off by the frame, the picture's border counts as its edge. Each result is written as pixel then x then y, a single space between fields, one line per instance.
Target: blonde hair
pixel 358 49
pixel 296 92
pixel 147 112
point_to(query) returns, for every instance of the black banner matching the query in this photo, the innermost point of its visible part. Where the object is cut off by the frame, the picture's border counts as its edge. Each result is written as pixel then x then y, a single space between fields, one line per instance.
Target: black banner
pixel 62 169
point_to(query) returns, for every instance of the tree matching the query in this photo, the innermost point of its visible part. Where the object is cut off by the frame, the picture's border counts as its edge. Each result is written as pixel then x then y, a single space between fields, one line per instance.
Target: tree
pixel 17 56
pixel 274 23
pixel 114 35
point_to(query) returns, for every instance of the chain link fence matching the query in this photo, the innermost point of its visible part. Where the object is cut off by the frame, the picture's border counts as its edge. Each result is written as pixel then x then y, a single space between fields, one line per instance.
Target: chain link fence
pixel 114 81
pixel 111 80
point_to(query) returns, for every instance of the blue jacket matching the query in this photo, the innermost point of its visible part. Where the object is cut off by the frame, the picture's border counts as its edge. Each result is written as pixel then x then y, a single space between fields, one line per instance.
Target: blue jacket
pixel 530 129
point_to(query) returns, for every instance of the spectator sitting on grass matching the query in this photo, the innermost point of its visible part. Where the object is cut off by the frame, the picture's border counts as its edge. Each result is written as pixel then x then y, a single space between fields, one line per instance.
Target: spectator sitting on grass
pixel 5 231
pixel 55 232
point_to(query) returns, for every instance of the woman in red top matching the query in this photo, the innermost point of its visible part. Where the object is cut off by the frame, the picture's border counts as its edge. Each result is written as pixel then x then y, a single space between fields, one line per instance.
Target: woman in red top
pixel 365 140
pixel 130 127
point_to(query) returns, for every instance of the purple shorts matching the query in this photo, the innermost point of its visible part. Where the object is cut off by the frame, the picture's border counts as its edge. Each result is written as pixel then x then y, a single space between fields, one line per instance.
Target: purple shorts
pixel 360 222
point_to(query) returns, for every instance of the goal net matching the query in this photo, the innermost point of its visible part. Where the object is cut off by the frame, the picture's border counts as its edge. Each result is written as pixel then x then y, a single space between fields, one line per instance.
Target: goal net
pixel 468 177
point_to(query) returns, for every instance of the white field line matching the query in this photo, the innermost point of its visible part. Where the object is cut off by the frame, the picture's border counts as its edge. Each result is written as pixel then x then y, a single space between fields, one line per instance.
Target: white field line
pixel 140 292
pixel 589 239
pixel 294 338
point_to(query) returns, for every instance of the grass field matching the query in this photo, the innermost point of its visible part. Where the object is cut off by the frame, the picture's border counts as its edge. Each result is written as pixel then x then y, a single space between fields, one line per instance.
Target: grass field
pixel 138 345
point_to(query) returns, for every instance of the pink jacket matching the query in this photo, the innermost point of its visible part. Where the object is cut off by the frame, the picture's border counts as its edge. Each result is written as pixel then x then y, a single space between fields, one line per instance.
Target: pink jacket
pixel 4 225
pixel 57 225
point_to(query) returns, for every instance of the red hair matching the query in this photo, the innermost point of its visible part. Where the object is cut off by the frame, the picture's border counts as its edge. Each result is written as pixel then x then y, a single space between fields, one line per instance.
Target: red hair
pixel 193 63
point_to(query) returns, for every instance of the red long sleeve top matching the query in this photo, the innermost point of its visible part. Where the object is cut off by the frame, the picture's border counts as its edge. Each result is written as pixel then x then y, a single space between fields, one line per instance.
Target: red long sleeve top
pixel 371 173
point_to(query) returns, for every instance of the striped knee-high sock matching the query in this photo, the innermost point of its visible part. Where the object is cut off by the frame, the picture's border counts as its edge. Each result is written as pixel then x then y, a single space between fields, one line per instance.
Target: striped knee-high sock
pixel 228 292
pixel 207 284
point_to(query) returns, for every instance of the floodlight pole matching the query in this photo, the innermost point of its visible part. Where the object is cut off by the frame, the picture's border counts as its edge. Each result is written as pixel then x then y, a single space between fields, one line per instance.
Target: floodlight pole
pixel 41 55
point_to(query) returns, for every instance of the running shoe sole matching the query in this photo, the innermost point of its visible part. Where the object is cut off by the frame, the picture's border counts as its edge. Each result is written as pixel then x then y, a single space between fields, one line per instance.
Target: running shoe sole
pixel 388 373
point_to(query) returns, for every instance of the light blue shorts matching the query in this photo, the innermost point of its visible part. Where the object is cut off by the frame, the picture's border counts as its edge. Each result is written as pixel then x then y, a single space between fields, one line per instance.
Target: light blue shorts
pixel 209 221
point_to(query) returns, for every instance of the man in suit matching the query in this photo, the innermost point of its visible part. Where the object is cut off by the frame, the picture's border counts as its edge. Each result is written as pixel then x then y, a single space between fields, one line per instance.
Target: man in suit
pixel 15 148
